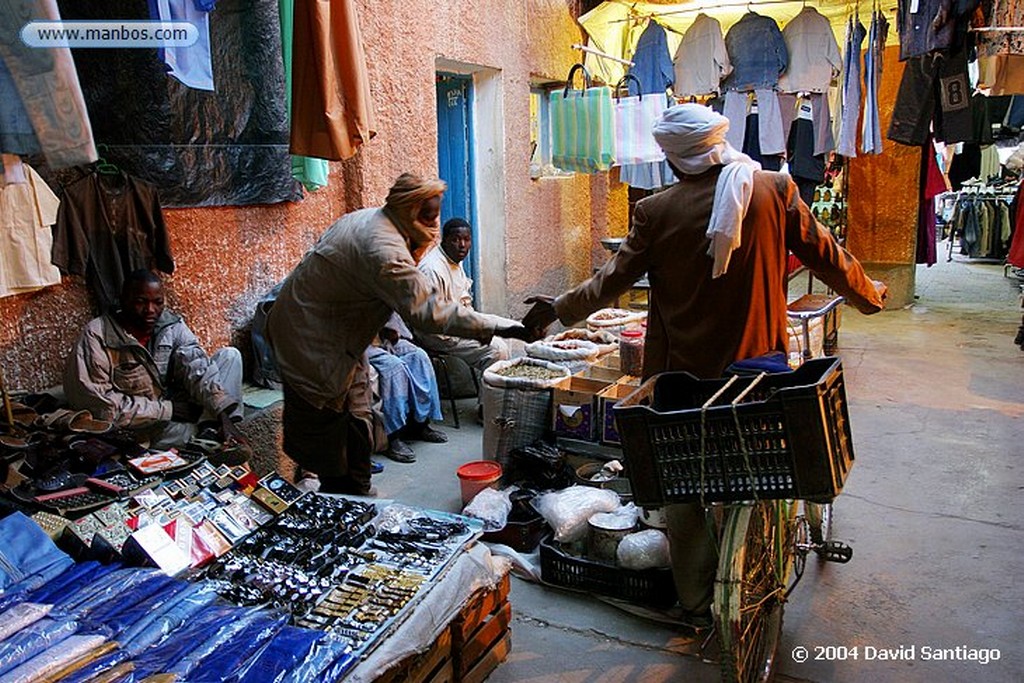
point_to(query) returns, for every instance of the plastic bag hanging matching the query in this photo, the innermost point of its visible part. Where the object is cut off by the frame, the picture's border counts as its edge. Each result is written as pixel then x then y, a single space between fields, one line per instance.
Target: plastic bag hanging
pixel 582 129
pixel 634 117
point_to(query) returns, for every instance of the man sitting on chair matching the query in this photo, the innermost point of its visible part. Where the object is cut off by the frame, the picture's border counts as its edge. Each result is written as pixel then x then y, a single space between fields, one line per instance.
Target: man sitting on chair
pixel 443 267
pixel 408 390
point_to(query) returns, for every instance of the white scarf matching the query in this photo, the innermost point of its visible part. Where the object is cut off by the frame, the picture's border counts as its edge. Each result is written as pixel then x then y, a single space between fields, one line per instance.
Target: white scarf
pixel 693 138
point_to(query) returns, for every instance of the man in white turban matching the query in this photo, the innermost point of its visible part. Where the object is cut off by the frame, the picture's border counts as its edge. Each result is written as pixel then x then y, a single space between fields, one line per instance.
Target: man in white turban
pixel 714 247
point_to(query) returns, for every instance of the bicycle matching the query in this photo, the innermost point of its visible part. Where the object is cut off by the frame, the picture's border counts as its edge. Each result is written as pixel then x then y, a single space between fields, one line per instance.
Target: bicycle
pixel 730 445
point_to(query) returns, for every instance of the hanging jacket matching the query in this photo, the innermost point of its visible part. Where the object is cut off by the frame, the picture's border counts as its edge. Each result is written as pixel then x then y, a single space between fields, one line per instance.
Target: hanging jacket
pixel 701 60
pixel 757 51
pixel 108 226
pixel 652 64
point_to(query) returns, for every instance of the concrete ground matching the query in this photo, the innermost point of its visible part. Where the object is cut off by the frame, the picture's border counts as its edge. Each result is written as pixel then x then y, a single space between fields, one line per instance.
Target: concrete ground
pixel 933 509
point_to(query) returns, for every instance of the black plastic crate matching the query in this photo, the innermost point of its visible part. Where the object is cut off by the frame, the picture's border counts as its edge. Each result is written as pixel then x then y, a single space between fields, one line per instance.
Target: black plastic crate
pixel 788 436
pixel 653 587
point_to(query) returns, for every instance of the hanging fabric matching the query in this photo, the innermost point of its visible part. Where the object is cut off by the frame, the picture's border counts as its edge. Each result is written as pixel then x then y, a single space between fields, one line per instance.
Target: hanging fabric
pixel 653 73
pixel 27 210
pixel 871 133
pixel 850 113
pixel 332 112
pixel 759 56
pixel 40 87
pixel 582 130
pixel 191 65
pixel 933 183
pixel 814 57
pixel 311 172
pixel 652 64
pixel 634 117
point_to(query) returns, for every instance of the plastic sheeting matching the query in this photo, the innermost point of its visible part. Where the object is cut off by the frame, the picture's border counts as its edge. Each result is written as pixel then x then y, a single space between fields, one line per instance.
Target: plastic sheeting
pixel 229 147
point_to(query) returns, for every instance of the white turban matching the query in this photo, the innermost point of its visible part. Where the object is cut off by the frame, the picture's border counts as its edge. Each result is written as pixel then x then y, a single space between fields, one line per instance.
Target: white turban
pixel 693 138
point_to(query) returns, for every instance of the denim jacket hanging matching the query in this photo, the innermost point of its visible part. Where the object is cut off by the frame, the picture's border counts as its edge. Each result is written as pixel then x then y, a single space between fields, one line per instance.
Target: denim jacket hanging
pixel 757 51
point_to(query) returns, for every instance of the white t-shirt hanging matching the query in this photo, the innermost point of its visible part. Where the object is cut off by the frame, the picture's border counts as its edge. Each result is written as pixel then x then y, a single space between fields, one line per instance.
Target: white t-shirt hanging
pixel 27 210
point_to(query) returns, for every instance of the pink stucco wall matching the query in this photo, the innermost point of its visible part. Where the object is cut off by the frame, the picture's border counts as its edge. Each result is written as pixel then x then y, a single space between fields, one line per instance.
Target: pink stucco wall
pixel 227 257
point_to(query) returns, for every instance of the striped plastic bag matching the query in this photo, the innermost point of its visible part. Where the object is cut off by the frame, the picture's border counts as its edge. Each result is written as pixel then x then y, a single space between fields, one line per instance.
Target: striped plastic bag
pixel 582 127
pixel 634 118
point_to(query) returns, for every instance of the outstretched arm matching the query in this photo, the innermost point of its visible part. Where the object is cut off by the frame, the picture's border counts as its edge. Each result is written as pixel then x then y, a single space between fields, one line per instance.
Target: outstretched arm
pixel 614 279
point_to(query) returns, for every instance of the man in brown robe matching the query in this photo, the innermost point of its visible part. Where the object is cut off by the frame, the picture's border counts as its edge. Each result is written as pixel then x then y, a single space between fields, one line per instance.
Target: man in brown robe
pixel 714 248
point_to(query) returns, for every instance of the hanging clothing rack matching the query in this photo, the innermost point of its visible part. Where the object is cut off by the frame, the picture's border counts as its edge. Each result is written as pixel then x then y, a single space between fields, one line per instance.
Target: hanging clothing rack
pixel 708 8
pixel 603 55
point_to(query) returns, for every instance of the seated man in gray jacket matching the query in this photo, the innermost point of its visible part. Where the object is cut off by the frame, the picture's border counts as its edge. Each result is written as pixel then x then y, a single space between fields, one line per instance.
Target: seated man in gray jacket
pixel 142 368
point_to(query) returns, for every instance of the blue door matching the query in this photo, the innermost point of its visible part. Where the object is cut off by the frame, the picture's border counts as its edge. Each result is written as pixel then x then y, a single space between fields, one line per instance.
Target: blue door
pixel 454 156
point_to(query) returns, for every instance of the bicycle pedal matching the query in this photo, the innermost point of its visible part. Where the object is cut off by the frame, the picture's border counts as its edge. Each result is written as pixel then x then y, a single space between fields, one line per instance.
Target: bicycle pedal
pixel 835 551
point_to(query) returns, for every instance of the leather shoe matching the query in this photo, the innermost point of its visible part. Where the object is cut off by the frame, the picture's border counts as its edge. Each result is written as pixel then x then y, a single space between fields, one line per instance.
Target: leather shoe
pixel 399 451
pixel 427 434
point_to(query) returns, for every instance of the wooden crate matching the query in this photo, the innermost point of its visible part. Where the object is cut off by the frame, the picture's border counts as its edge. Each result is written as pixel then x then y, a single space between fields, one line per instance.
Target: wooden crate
pixel 481 638
pixel 432 666
pixel 469 649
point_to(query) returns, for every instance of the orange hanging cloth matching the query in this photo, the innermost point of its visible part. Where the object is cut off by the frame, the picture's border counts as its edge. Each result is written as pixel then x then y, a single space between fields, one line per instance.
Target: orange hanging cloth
pixel 332 114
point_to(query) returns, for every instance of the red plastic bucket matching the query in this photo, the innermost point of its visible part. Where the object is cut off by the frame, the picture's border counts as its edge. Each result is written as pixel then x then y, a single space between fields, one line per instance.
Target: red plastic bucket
pixel 477 475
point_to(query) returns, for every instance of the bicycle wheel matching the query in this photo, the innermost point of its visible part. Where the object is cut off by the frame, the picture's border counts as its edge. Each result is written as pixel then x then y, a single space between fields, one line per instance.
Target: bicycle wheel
pixel 753 574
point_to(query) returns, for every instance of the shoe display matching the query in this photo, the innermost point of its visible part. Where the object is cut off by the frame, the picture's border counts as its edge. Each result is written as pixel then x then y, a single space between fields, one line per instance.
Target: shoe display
pixel 399 451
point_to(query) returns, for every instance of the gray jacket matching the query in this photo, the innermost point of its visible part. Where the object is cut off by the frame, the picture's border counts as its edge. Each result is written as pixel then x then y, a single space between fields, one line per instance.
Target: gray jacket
pixel 339 296
pixel 115 378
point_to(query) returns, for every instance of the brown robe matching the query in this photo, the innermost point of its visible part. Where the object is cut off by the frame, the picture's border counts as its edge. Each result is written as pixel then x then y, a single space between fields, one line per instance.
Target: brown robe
pixel 700 324
pixel 332 112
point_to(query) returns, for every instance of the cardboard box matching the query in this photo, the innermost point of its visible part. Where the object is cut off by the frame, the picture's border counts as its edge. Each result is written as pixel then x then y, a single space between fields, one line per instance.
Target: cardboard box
pixel 574 407
pixel 611 395
pixel 601 374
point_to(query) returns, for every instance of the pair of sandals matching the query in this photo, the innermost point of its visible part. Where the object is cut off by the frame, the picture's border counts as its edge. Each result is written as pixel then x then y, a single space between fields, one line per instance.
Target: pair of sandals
pixel 79 421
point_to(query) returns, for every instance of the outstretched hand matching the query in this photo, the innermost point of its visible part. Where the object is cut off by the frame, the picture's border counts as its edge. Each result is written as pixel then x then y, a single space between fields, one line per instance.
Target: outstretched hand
pixel 540 316
pixel 882 289
pixel 229 433
pixel 516 331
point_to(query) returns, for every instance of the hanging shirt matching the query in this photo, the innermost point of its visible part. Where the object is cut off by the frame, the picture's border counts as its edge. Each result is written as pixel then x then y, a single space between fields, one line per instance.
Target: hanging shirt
pixel 813 53
pixel 27 210
pixel 757 51
pixel 192 65
pixel 652 64
pixel 701 61
pixel 107 227
pixel 928 25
